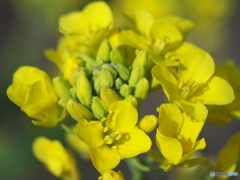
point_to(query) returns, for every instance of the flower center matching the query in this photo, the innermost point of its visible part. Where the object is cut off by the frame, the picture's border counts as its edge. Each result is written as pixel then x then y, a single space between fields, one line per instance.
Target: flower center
pixel 112 137
pixel 188 90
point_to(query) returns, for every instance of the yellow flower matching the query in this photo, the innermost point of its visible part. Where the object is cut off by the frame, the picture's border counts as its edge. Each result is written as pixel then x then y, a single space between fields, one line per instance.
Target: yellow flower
pixel 112 175
pixel 33 92
pixel 158 36
pixel 220 115
pixel 193 84
pixel 56 159
pixel 228 157
pixel 115 137
pixel 176 136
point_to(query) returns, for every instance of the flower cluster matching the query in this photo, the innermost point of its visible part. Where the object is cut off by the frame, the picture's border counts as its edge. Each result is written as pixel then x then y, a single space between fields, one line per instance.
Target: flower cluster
pixel 105 75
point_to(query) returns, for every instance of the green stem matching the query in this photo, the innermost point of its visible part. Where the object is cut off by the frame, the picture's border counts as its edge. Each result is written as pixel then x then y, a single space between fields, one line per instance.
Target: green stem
pixel 136 173
pixel 67 129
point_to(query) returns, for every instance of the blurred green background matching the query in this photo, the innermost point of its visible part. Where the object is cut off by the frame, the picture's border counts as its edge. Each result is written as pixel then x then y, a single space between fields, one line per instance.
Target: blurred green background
pixel 28 27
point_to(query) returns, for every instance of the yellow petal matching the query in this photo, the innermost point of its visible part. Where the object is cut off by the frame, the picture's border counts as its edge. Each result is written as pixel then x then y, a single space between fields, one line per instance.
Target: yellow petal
pixel 104 158
pixel 70 23
pixel 196 65
pixel 123 116
pixel 137 143
pixel 170 120
pixel 167 80
pixel 195 111
pixel 201 144
pixel 133 39
pixel 17 93
pixel 90 132
pixel 170 148
pixel 216 92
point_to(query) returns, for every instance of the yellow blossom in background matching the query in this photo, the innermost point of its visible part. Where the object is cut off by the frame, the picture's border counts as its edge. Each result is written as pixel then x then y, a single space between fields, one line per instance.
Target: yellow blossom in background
pixel 228 157
pixel 177 136
pixel 193 84
pixel 112 175
pixel 33 92
pixel 113 138
pixel 220 115
pixel 56 159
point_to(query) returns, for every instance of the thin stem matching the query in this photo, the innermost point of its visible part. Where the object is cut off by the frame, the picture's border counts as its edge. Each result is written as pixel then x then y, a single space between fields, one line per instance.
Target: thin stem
pixel 67 129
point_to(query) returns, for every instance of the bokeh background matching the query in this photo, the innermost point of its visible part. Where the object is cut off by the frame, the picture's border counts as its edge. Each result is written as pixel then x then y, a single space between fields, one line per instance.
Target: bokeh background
pixel 28 27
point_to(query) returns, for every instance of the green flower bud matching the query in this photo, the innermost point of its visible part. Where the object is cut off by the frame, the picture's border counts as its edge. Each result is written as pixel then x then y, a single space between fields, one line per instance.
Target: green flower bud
pixel 137 73
pixel 141 90
pixel 97 108
pixel 108 96
pixel 132 100
pixel 118 83
pixel 63 102
pixel 104 51
pixel 141 59
pixel 148 123
pixel 96 84
pixel 117 55
pixel 106 78
pixel 84 89
pixel 96 71
pixel 61 87
pixel 122 71
pixel 125 90
pixel 78 111
pixel 110 68
pixel 73 92
pixel 88 61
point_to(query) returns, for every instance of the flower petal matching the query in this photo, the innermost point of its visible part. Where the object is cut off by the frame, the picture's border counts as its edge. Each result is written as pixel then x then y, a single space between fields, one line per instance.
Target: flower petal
pixel 167 80
pixel 137 143
pixel 196 65
pixel 123 116
pixel 90 132
pixel 104 158
pixel 170 148
pixel 216 92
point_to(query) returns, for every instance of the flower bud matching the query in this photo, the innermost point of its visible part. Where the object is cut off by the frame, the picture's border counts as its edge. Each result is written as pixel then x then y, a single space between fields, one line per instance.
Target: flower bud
pixel 131 99
pixel 73 92
pixel 61 87
pixel 148 123
pixel 108 96
pixel 104 51
pixel 110 68
pixel 141 90
pixel 118 83
pixel 137 73
pixel 125 90
pixel 96 84
pixel 117 55
pixel 96 71
pixel 106 78
pixel 122 71
pixel 84 89
pixel 97 108
pixel 63 102
pixel 78 111
pixel 141 59
pixel 88 61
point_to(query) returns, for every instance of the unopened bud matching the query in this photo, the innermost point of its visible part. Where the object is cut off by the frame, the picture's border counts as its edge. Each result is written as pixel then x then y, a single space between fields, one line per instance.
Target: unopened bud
pixel 97 108
pixel 96 71
pixel 63 102
pixel 104 51
pixel 118 83
pixel 117 55
pixel 110 68
pixel 141 59
pixel 78 111
pixel 141 90
pixel 73 92
pixel 137 73
pixel 122 71
pixel 108 96
pixel 84 89
pixel 125 90
pixel 96 84
pixel 131 99
pixel 106 78
pixel 148 123
pixel 62 87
